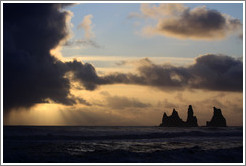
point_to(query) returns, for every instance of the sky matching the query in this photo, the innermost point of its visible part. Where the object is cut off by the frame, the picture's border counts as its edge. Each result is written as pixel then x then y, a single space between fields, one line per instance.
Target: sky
pixel 121 64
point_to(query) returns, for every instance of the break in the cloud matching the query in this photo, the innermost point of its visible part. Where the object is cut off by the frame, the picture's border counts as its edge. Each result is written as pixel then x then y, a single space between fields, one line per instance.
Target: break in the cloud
pixel 86 25
pixel 176 20
pixel 87 40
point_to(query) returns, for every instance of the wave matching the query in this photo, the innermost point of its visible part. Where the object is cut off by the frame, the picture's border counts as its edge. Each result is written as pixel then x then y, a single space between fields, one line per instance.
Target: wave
pixel 184 155
pixel 122 144
pixel 125 136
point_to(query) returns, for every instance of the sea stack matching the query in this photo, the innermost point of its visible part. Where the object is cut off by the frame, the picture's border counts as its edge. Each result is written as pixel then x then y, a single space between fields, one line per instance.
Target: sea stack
pixel 217 120
pixel 175 121
pixel 191 120
pixel 172 121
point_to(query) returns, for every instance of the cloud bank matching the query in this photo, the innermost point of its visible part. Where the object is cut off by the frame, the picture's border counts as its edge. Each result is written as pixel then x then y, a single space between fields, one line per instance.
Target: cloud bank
pixel 200 23
pixel 209 72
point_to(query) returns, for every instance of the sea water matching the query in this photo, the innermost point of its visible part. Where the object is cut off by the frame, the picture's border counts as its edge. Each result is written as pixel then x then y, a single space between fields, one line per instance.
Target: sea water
pixel 77 144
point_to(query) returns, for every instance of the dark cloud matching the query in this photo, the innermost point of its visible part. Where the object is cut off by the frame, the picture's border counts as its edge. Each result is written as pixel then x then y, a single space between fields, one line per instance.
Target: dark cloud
pixel 209 72
pixel 31 75
pixel 179 21
pixel 217 72
pixel 80 100
pixel 84 73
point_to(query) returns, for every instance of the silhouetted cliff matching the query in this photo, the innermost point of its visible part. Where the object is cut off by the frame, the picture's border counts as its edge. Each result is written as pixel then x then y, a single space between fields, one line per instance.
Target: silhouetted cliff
pixel 175 121
pixel 217 120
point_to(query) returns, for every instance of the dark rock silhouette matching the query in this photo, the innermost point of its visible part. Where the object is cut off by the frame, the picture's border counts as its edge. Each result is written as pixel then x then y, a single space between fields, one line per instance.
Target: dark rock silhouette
pixel 191 120
pixel 172 121
pixel 175 121
pixel 217 120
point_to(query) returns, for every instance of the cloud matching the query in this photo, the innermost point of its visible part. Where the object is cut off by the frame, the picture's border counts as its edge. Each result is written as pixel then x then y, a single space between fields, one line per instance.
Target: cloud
pixel 162 10
pixel 122 102
pixel 167 104
pixel 86 25
pixel 82 43
pixel 200 23
pixel 87 40
pixel 209 72
pixel 84 73
pixel 31 74
pixel 80 100
pixel 217 72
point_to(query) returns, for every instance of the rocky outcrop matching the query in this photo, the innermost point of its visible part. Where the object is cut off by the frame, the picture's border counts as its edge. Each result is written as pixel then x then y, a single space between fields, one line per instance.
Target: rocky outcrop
pixel 217 120
pixel 175 121
pixel 191 120
pixel 172 121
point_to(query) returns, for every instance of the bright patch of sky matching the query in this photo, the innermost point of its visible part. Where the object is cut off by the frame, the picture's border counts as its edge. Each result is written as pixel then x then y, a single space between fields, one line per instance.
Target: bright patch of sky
pixel 118 35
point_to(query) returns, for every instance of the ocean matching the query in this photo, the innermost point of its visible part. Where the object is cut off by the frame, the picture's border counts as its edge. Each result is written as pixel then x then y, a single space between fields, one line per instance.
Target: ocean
pixel 78 144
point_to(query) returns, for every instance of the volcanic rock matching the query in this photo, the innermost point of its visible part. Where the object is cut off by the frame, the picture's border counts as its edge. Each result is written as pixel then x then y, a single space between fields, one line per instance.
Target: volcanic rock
pixel 191 120
pixel 175 121
pixel 217 120
pixel 172 121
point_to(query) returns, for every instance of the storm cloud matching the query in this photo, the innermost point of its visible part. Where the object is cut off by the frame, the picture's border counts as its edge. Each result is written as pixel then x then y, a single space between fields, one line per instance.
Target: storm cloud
pixel 209 72
pixel 84 73
pixel 31 75
pixel 176 20
pixel 217 72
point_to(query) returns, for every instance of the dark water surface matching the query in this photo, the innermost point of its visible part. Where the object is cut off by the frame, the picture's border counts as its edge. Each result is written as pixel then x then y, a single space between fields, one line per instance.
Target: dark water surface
pixel 75 144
